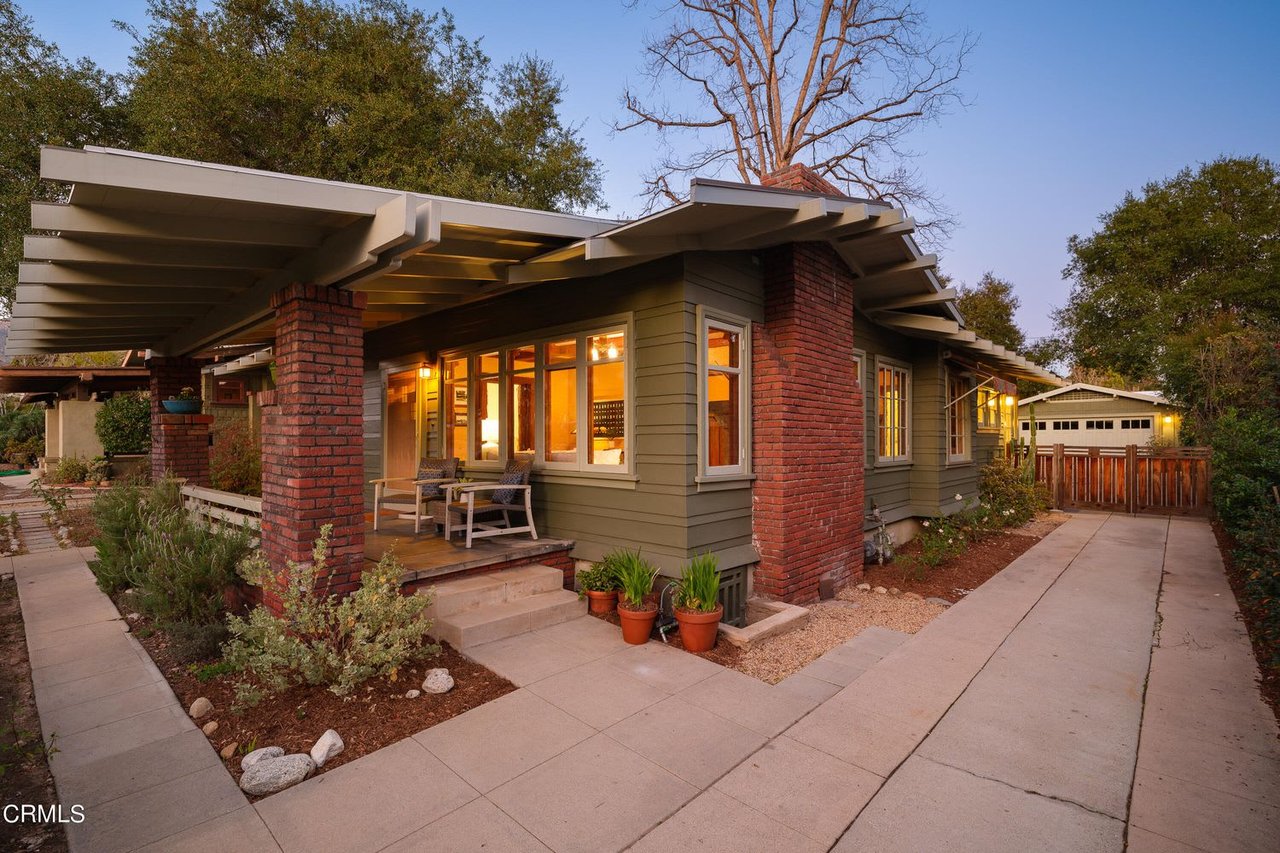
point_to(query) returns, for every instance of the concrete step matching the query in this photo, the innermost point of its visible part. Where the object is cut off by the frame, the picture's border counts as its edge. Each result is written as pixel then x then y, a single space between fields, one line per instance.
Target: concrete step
pixel 468 628
pixel 493 588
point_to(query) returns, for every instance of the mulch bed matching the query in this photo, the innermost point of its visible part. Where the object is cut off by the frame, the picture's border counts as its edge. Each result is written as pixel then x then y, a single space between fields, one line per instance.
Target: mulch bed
pixel 375 715
pixel 1268 656
pixel 961 575
pixel 80 525
pixel 24 768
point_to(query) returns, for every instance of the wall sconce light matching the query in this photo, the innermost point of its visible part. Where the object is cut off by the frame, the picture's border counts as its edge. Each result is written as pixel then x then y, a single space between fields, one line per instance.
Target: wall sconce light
pixel 1168 419
pixel 1009 400
pixel 424 372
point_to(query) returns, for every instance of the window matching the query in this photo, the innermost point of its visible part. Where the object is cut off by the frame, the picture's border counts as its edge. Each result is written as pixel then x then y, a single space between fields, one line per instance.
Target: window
pixel 958 397
pixel 988 408
pixel 893 399
pixel 1099 424
pixel 534 397
pixel 1135 423
pixel 229 392
pixel 1065 425
pixel 1026 426
pixel 724 411
pixel 455 407
pixel 859 358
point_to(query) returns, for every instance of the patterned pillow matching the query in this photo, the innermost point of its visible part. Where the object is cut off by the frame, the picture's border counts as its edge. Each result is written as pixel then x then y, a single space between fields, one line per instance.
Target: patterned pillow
pixel 426 472
pixel 510 477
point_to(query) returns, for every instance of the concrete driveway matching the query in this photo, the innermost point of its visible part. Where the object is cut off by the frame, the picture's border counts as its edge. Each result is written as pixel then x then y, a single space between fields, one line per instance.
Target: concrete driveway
pixel 1097 694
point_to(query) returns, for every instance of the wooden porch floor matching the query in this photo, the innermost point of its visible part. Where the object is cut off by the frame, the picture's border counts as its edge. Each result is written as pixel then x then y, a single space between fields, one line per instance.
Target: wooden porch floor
pixel 428 555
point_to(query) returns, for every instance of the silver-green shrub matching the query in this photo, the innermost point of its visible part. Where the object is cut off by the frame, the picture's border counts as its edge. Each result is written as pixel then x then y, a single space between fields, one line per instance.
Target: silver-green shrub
pixel 320 638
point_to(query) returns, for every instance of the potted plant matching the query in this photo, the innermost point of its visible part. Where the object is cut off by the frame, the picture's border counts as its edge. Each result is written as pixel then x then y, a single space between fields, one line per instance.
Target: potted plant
pixel 599 585
pixel 697 605
pixel 187 402
pixel 635 609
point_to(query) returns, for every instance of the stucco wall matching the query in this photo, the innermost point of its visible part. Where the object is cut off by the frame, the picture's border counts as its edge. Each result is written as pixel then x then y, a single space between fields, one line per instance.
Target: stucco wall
pixel 76 436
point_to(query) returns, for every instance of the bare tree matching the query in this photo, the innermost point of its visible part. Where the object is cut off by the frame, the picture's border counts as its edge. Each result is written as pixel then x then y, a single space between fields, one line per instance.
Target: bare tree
pixel 837 83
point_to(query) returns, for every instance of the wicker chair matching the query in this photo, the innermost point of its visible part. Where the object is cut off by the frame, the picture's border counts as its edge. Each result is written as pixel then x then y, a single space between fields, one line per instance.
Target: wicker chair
pixel 482 517
pixel 434 473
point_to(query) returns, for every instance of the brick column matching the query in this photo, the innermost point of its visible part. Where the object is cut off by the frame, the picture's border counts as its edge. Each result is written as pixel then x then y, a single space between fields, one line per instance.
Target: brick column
pixel 313 433
pixel 179 443
pixel 807 425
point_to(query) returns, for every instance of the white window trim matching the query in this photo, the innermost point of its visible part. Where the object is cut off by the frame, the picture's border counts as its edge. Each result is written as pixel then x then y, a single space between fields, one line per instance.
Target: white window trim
pixel 706 318
pixel 581 332
pixel 860 356
pixel 905 459
pixel 966 428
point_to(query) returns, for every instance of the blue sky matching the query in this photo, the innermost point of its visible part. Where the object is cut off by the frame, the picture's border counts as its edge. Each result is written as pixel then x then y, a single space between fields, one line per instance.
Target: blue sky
pixel 1070 106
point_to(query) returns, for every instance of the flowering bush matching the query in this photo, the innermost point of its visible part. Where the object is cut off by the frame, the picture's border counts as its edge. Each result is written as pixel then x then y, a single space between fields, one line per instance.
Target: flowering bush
pixel 1012 497
pixel 322 639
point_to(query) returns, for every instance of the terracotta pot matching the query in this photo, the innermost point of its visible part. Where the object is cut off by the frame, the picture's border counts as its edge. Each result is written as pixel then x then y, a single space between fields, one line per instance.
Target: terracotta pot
pixel 602 601
pixel 637 625
pixel 698 630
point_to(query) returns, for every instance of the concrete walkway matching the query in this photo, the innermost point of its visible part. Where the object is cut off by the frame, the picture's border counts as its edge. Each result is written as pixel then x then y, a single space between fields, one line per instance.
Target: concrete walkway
pixel 1015 721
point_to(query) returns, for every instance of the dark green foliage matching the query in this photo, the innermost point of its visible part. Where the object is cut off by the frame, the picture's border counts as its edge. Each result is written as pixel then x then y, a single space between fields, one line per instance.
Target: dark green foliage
pixel 1012 496
pixel 123 424
pixel 235 463
pixel 371 92
pixel 178 568
pixel 988 309
pixel 22 434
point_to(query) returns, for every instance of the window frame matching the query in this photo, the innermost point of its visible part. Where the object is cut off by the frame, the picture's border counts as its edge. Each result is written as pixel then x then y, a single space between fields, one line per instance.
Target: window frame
pixel 742 327
pixel 981 407
pixel 884 363
pixel 581 333
pixel 959 405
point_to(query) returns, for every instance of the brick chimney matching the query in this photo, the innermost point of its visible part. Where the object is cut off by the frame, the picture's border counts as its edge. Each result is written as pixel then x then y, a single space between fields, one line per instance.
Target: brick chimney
pixel 798 176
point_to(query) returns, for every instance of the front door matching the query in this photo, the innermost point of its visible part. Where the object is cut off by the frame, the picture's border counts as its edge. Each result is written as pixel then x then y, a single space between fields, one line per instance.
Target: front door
pixel 403 434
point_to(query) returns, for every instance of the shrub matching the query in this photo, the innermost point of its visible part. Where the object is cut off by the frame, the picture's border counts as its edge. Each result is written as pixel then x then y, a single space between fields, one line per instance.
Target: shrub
pixel 1010 494
pixel 321 639
pixel 635 577
pixel 699 587
pixel 123 424
pixel 1246 464
pixel 601 577
pixel 178 567
pixel 69 469
pixel 23 453
pixel 235 464
pixel 939 540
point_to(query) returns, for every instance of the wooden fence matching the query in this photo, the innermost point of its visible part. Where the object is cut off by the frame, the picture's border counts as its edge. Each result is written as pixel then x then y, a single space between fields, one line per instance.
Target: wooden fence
pixel 1133 479
pixel 220 508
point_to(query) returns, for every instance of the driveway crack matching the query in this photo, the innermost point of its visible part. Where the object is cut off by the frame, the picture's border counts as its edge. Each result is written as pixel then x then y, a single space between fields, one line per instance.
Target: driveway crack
pixel 1032 791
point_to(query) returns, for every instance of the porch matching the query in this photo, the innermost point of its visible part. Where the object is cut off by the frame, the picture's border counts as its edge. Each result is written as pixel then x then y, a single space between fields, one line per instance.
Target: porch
pixel 427 556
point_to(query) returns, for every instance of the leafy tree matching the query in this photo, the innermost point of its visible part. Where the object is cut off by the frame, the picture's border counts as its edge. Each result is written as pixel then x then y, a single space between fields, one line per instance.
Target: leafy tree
pixel 988 310
pixel 372 93
pixel 46 99
pixel 840 84
pixel 1189 259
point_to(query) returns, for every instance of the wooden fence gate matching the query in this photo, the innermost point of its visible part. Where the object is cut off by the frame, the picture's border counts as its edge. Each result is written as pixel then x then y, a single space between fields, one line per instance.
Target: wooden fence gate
pixel 1133 479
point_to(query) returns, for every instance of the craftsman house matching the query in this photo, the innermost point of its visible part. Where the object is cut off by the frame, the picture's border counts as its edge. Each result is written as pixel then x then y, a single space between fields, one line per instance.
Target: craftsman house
pixel 742 373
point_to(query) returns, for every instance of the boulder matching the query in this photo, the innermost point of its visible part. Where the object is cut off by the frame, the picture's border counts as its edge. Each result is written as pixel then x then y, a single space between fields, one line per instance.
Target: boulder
pixel 881 590
pixel 864 587
pixel 895 591
pixel 209 727
pixel 438 681
pixel 260 755
pixel 413 694
pixel 229 750
pixel 329 745
pixel 202 707
pixel 275 774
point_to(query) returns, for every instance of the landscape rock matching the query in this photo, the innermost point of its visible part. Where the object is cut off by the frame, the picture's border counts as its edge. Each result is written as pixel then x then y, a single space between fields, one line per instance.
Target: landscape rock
pixel 413 694
pixel 275 774
pixel 880 590
pixel 260 755
pixel 133 617
pixel 895 591
pixel 438 681
pixel 209 727
pixel 914 596
pixel 939 601
pixel 865 587
pixel 329 745
pixel 229 750
pixel 202 707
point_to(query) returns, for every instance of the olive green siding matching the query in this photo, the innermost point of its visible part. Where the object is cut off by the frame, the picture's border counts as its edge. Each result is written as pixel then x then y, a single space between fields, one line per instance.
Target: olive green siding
pixel 1102 406
pixel 660 510
pixel 928 483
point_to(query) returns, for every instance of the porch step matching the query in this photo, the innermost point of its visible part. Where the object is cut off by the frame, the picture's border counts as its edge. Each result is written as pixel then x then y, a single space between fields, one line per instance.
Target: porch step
pixel 474 591
pixel 469 628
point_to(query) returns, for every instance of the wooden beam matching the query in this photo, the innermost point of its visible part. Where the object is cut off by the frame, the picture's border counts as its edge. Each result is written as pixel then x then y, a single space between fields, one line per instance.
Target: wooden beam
pixel 130 225
pixel 115 253
pixel 45 273
pixel 534 273
pixel 918 322
pixel 386 297
pixel 426 264
pixel 806 223
pixel 44 309
pixel 913 301
pixel 877 276
pixel 97 294
pixel 875 232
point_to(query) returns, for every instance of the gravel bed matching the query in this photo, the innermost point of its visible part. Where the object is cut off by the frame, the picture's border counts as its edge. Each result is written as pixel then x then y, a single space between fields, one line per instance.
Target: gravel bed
pixel 830 624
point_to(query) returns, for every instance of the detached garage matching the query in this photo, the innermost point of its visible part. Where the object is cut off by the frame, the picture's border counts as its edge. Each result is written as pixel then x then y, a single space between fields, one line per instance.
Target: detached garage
pixel 1082 415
